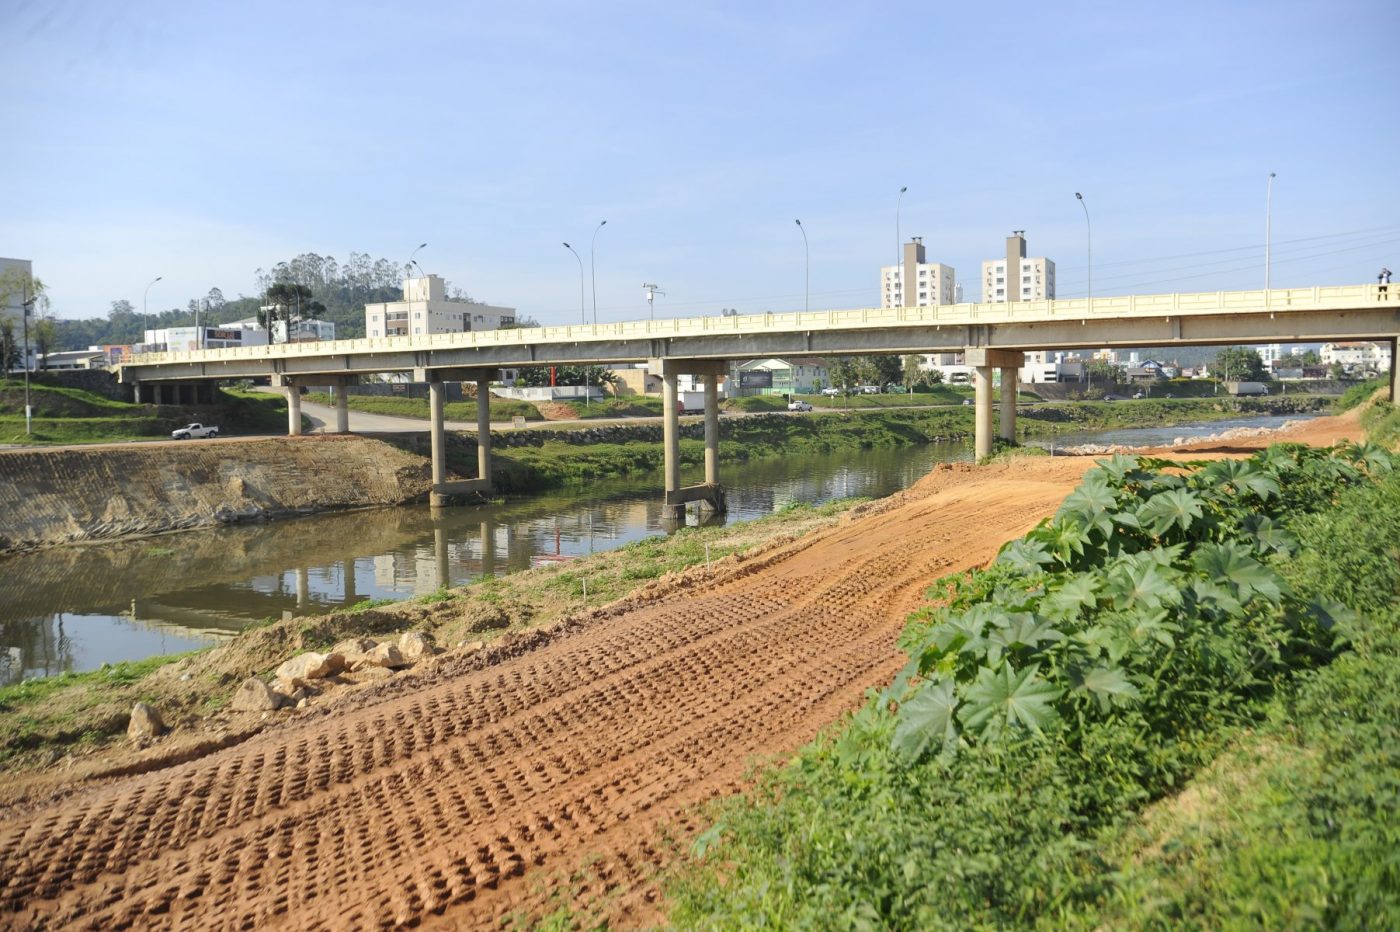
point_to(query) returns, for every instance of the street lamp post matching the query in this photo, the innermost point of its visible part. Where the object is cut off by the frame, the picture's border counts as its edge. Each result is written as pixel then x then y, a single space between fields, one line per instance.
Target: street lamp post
pixel 582 309
pixel 807 288
pixel 1088 249
pixel 414 253
pixel 898 247
pixel 593 269
pixel 145 313
pixel 1268 231
pixel 26 306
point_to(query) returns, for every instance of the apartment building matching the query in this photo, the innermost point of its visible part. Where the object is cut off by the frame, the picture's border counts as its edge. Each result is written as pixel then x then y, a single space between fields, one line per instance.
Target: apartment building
pixel 1028 279
pixel 1357 357
pixel 929 283
pixel 425 309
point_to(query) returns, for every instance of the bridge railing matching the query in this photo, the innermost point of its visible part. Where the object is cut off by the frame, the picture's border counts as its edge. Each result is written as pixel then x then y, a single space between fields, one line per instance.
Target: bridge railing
pixel 1109 306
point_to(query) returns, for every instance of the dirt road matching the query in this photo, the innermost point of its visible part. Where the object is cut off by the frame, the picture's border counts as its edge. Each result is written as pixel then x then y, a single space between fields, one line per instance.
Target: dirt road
pixel 467 800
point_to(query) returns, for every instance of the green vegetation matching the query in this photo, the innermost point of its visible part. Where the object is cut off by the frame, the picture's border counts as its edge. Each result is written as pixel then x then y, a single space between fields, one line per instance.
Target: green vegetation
pixel 69 415
pixel 1356 394
pixel 114 674
pixel 502 409
pixel 1026 768
pixel 625 406
pixel 1382 423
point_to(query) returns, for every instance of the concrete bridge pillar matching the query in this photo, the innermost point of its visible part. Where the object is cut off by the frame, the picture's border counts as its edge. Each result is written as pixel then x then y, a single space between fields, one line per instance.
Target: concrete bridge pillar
pixel 293 409
pixel 671 441
pixel 1008 404
pixel 1394 371
pixel 984 360
pixel 342 410
pixel 483 429
pixel 443 490
pixel 710 494
pixel 712 429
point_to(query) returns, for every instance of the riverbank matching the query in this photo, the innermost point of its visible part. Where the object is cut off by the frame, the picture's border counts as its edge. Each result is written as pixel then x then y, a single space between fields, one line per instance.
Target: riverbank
pixel 613 724
pixel 55 497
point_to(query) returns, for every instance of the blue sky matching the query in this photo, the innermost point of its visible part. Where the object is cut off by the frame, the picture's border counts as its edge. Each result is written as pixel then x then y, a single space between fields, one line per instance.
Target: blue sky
pixel 200 142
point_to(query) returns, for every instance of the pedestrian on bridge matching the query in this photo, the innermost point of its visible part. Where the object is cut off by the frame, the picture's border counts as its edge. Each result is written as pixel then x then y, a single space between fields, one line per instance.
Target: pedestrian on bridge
pixel 1383 280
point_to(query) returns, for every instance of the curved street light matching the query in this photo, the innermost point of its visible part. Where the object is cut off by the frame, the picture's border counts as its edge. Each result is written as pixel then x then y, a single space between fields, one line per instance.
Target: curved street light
pixel 582 309
pixel 414 253
pixel 593 270
pixel 1268 231
pixel 145 314
pixel 807 290
pixel 1088 248
pixel 898 248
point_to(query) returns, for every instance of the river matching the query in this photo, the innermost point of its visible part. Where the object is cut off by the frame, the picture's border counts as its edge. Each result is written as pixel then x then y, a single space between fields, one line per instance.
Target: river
pixel 76 608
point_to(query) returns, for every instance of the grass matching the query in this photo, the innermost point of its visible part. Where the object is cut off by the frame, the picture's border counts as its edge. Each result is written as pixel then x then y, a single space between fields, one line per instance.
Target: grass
pixel 502 409
pixel 1274 811
pixel 1356 394
pixel 68 416
pixel 625 406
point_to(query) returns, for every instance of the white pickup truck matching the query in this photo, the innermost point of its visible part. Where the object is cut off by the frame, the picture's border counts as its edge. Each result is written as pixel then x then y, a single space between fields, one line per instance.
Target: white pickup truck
pixel 194 432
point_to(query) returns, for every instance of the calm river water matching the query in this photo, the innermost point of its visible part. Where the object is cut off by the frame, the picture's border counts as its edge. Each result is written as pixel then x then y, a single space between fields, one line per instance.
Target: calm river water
pixel 76 608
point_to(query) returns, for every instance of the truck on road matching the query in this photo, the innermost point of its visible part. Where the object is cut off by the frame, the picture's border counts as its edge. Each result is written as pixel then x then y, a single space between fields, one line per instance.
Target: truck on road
pixel 194 432
pixel 1244 389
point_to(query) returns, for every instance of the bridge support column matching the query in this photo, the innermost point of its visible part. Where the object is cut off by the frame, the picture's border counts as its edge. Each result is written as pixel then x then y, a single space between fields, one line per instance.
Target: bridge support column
pixel 712 436
pixel 293 409
pixel 1008 405
pixel 437 439
pixel 984 360
pixel 483 430
pixel 443 489
pixel 982 411
pixel 710 494
pixel 671 443
pixel 342 410
pixel 1394 371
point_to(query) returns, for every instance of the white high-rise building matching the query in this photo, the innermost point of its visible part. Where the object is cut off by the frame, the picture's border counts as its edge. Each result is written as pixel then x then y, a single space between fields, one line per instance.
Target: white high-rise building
pixel 1030 279
pixel 930 283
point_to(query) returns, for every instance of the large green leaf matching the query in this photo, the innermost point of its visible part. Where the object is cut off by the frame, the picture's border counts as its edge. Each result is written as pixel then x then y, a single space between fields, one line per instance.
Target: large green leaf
pixel 1174 508
pixel 928 720
pixel 1269 537
pixel 1140 582
pixel 1003 698
pixel 1068 601
pixel 1241 476
pixel 1028 556
pixel 1231 565
pixel 1108 685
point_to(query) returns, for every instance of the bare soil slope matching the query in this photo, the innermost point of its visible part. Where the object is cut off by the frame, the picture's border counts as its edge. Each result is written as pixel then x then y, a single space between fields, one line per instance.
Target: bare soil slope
pixel 463 801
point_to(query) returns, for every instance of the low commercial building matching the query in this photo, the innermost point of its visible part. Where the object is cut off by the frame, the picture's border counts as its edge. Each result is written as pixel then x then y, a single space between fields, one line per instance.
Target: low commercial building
pixel 185 339
pixel 303 331
pixel 780 376
pixel 425 309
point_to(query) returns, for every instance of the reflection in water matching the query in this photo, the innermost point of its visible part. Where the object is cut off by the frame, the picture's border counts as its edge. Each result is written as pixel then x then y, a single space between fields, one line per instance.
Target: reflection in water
pixel 76 608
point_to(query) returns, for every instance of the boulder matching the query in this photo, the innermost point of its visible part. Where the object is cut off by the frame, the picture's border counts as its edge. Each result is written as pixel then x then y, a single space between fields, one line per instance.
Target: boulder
pixel 353 648
pixel 256 696
pixel 303 668
pixel 387 656
pixel 145 722
pixel 415 645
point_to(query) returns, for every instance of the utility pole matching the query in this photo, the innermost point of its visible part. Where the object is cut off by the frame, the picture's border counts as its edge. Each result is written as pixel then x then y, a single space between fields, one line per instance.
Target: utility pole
pixel 651 293
pixel 26 307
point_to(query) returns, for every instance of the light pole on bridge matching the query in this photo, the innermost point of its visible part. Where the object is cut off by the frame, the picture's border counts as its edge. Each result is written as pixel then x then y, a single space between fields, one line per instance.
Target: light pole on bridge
pixel 1268 231
pixel 807 288
pixel 593 269
pixel 145 313
pixel 1088 249
pixel 582 309
pixel 898 249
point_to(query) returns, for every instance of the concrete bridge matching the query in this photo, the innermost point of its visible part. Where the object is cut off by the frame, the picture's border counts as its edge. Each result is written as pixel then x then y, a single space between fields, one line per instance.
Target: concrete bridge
pixel 992 335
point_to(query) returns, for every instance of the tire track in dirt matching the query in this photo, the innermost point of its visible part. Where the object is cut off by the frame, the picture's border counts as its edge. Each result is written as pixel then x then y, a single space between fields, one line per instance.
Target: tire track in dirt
pixel 462 798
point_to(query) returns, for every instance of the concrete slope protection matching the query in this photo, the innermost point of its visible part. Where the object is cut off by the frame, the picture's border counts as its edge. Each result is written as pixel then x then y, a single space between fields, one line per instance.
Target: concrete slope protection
pixel 463 798
pixel 51 497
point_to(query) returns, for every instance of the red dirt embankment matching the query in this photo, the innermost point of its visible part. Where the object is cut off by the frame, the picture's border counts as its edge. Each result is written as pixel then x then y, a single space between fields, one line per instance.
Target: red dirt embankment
pixel 65 496
pixel 469 799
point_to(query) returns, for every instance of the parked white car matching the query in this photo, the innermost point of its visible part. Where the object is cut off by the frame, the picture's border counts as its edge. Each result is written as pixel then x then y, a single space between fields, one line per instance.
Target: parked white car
pixel 833 390
pixel 799 406
pixel 194 432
